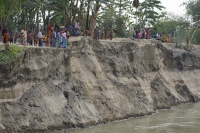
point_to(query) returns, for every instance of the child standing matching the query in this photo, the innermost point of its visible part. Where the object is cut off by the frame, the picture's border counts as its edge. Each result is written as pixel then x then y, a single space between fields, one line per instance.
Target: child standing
pixel 22 38
pixel 35 40
pixel 45 40
pixel 5 41
pixel 111 34
pixel 64 39
pixel 11 39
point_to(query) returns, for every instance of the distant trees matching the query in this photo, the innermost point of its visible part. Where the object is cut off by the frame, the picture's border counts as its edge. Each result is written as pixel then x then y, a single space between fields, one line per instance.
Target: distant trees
pixel 117 14
pixel 192 8
pixel 8 10
pixel 178 27
pixel 148 12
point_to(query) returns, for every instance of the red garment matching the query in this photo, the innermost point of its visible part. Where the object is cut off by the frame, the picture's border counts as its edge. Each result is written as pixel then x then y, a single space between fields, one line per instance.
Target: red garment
pixel 5 38
pixel 147 33
pixel 87 32
pixel 49 28
pixel 4 31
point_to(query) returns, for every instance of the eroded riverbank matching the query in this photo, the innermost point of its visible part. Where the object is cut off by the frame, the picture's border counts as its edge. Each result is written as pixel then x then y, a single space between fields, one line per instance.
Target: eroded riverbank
pixel 93 82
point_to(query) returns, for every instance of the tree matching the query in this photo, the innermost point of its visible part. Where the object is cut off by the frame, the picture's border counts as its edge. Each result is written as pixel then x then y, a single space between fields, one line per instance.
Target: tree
pixel 192 8
pixel 136 4
pixel 107 17
pixel 35 8
pixel 147 13
pixel 8 7
pixel 60 10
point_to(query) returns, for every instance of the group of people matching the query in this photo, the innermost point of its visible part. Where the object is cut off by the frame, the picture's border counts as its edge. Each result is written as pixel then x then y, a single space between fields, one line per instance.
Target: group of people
pixel 56 37
pixel 144 33
pixel 97 34
pixel 164 37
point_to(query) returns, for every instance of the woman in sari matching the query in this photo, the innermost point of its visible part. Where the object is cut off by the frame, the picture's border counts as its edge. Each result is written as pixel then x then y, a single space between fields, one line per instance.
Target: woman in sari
pixel 5 40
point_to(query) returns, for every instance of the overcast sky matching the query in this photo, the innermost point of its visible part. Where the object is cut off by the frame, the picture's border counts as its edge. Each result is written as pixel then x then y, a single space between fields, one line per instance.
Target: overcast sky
pixel 174 6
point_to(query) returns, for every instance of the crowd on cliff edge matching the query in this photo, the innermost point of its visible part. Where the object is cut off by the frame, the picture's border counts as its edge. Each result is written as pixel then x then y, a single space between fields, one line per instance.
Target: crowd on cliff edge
pixel 145 33
pixel 57 36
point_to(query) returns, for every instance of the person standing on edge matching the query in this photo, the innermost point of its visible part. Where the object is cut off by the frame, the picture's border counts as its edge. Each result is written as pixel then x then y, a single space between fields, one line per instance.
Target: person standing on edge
pixel 98 33
pixel 105 32
pixel 25 36
pixel 139 34
pixel 69 27
pixel 49 34
pixel 77 24
pixel 64 39
pixel 87 32
pixel 22 38
pixel 35 40
pixel 5 39
pixel 111 34
pixel 58 34
pixel 54 38
pixel 31 38
pixel 147 33
pixel 11 39
pixel 95 33
pixel 134 33
pixel 164 37
pixel 40 36
pixel 44 40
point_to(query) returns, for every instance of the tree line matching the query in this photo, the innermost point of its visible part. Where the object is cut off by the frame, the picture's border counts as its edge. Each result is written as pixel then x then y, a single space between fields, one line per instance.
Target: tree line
pixel 120 15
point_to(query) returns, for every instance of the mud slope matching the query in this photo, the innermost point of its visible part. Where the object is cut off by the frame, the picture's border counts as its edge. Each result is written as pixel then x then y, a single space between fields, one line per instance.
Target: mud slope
pixel 94 82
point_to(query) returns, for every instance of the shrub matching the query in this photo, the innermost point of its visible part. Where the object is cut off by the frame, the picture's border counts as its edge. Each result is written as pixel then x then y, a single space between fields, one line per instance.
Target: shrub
pixel 12 54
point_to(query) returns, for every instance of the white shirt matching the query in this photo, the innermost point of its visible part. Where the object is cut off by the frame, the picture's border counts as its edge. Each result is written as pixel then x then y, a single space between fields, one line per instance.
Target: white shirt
pixel 40 35
pixel 76 25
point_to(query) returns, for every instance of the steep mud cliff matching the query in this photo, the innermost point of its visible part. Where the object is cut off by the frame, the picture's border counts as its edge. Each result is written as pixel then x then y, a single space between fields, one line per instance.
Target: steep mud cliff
pixel 94 82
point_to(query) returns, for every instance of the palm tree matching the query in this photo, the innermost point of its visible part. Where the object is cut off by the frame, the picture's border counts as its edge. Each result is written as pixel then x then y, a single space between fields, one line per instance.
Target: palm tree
pixel 58 9
pixel 36 8
pixel 136 4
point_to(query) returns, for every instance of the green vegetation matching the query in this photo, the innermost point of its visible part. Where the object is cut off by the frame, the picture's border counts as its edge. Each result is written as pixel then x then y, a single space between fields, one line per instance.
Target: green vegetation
pixel 35 14
pixel 121 15
pixel 193 12
pixel 12 54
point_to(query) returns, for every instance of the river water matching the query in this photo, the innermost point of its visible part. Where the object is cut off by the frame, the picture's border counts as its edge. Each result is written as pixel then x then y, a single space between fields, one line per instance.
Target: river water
pixel 184 118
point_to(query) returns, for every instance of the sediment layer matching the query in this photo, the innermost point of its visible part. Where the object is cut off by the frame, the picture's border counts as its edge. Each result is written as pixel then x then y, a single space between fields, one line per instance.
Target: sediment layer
pixel 94 82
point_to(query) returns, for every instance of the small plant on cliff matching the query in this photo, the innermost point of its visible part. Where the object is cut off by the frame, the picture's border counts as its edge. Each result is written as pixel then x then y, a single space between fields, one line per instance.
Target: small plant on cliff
pixel 12 54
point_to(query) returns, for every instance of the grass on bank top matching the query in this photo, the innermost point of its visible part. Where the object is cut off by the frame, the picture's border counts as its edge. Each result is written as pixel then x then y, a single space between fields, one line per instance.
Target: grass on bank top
pixel 12 54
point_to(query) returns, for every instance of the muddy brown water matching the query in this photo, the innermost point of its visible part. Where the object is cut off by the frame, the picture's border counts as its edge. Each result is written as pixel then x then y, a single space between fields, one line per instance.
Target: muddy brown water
pixel 184 118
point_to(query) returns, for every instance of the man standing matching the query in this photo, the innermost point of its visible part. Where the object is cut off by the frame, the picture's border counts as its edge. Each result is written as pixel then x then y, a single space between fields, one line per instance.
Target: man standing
pixel 111 34
pixel 105 33
pixel 5 39
pixel 134 33
pixel 147 33
pixel 24 41
pixel 54 38
pixel 77 25
pixel 40 36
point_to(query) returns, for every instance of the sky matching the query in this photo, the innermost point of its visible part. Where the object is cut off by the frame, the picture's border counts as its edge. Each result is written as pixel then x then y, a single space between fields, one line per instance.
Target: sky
pixel 173 6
